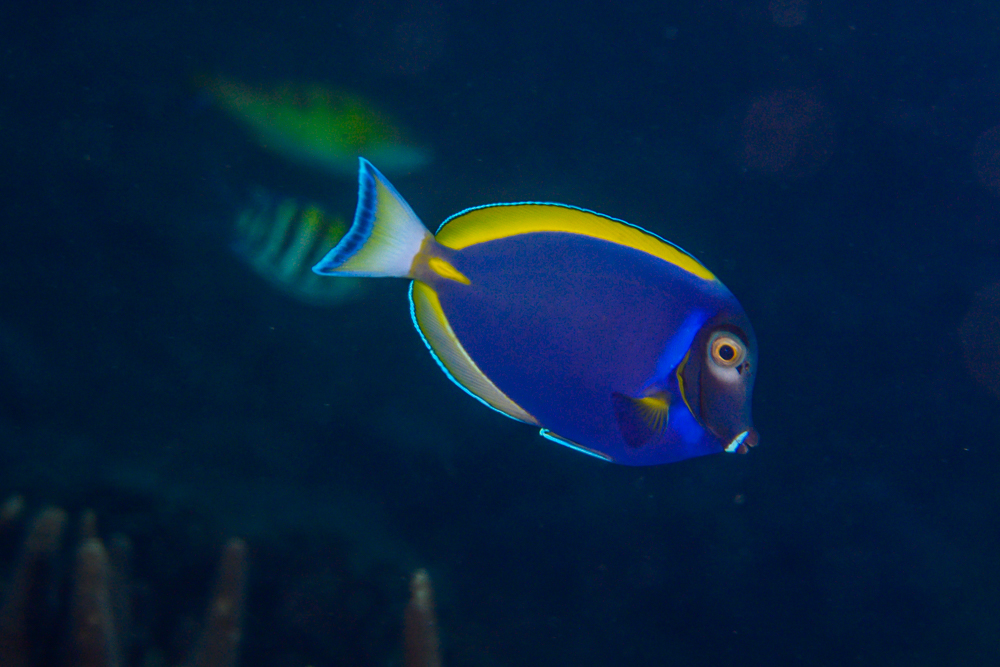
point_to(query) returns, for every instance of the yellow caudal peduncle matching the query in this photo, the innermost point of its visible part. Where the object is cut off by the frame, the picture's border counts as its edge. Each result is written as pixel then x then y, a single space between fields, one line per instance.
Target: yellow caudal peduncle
pixel 444 269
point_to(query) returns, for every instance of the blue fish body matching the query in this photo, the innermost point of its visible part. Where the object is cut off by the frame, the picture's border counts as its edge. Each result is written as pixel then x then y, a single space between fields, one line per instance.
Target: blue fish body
pixel 615 342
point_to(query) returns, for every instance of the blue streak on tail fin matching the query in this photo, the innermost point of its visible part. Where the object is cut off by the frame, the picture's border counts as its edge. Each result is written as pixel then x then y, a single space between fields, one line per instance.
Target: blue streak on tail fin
pixel 384 238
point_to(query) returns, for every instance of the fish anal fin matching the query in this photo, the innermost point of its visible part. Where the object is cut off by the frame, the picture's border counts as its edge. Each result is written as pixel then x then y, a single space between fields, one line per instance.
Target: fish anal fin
pixel 641 420
pixel 447 350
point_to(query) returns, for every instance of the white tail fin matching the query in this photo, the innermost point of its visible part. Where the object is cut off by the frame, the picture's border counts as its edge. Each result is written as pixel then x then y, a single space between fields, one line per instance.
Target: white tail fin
pixel 385 237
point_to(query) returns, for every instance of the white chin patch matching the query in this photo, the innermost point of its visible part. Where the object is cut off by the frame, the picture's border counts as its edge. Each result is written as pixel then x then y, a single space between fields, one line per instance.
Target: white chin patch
pixel 737 441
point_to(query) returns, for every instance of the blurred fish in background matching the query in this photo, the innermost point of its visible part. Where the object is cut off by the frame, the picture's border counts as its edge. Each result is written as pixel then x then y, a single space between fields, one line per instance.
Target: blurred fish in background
pixel 315 126
pixel 281 239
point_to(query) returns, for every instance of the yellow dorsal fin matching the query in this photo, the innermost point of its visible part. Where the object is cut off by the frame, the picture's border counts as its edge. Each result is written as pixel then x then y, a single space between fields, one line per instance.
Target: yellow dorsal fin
pixel 496 221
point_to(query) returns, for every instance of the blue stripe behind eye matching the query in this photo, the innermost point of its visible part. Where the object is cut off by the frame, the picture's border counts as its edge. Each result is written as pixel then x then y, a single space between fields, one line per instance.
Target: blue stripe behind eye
pixel 361 228
pixel 679 345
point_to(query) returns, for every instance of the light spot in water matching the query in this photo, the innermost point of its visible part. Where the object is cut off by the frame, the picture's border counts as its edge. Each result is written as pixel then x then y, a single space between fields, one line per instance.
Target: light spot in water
pixel 979 334
pixel 789 13
pixel 986 156
pixel 787 134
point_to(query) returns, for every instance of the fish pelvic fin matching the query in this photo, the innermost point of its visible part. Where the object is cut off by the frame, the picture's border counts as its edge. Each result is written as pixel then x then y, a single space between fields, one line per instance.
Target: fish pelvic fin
pixel 575 446
pixel 385 237
pixel 641 420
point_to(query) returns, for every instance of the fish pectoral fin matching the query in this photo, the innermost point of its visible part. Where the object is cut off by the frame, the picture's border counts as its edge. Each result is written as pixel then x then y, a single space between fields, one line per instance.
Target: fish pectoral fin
pixel 641 420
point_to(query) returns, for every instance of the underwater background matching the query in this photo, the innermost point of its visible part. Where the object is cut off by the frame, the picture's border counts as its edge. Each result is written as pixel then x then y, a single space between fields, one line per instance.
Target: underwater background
pixel 836 164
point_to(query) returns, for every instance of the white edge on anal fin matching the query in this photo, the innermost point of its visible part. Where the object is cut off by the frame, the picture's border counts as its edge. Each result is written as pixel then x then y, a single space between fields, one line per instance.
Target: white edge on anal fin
pixel 384 238
pixel 440 339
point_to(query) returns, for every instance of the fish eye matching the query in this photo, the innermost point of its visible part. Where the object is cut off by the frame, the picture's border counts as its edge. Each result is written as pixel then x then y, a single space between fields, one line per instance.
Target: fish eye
pixel 727 350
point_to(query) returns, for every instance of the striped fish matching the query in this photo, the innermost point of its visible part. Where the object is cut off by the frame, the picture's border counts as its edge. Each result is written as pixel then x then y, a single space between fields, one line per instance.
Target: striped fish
pixel 281 238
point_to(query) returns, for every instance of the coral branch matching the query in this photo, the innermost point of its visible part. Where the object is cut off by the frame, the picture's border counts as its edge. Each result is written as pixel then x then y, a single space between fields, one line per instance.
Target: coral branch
pixel 95 643
pixel 43 541
pixel 99 608
pixel 11 510
pixel 120 587
pixel 420 635
pixel 88 525
pixel 220 640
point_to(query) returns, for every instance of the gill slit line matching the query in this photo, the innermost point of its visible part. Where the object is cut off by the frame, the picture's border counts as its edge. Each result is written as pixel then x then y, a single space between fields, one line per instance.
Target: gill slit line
pixel 680 381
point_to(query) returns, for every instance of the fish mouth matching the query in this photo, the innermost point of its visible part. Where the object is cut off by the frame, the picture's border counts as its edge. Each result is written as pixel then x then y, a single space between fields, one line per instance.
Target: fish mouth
pixel 742 443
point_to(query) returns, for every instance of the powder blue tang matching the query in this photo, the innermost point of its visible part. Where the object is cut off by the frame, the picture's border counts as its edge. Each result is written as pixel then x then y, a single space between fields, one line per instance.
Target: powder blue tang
pixel 613 341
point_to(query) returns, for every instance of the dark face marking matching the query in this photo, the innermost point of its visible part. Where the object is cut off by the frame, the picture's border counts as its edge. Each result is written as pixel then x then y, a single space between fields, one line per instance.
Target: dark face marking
pixel 718 381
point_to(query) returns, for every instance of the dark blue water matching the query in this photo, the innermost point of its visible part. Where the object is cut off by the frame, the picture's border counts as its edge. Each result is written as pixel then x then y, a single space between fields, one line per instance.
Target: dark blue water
pixel 836 164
